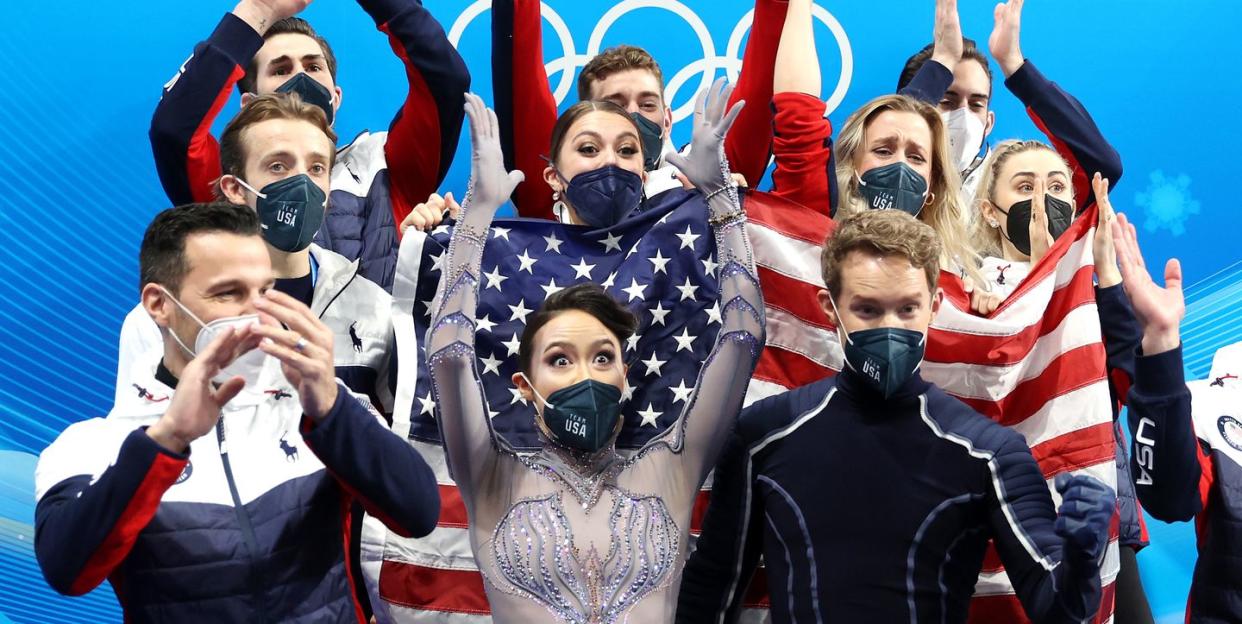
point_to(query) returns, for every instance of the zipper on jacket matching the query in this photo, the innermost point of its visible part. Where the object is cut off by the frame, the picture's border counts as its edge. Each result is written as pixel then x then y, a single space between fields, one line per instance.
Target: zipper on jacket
pixel 247 529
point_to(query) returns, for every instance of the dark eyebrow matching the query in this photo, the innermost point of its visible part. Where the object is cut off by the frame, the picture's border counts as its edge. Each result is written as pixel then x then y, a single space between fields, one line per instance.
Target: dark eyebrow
pixel 569 347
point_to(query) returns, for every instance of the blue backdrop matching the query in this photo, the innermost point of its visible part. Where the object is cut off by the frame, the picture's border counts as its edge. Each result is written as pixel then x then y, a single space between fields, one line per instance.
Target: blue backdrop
pixel 78 186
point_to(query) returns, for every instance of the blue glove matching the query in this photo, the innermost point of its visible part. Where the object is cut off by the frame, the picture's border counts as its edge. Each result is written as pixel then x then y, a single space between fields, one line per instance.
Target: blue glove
pixel 1087 507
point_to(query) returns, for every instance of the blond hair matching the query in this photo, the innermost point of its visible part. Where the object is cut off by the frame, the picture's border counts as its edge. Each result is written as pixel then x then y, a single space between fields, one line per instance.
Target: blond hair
pixel 882 233
pixel 944 213
pixel 987 239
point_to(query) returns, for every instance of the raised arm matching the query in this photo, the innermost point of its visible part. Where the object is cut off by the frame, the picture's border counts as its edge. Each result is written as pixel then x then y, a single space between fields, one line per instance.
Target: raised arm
pixel 525 105
pixel 464 424
pixel 1058 114
pixel 187 157
pixel 701 430
pixel 934 78
pixel 423 136
pixel 802 145
pixel 749 143
pixel 1166 458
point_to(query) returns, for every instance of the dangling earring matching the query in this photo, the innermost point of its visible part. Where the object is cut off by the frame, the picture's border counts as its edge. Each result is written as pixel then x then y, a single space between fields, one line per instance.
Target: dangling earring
pixel 559 209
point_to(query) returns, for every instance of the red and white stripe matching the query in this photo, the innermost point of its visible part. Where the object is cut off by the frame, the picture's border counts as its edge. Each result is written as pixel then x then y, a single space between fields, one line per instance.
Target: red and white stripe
pixel 1038 355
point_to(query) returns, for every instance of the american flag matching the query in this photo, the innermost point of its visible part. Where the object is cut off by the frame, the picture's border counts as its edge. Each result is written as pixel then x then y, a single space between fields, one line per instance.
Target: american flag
pixel 659 262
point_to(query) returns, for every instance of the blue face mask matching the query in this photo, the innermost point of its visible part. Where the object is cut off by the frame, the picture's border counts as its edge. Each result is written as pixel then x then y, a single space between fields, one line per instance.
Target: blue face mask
pixel 896 186
pixel 290 211
pixel 604 196
pixel 886 357
pixel 653 143
pixel 311 92
pixel 584 416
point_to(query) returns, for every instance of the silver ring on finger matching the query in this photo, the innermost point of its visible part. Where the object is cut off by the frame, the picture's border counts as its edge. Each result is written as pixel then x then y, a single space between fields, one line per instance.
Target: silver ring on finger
pixel 300 345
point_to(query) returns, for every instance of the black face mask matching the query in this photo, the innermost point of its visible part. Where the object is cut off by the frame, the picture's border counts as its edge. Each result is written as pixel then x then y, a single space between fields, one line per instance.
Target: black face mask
pixel 311 91
pixel 896 186
pixel 1018 221
pixel 653 142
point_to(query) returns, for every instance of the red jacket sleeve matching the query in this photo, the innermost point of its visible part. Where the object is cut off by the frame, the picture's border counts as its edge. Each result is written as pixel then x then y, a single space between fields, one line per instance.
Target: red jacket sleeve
pixel 524 102
pixel 805 171
pixel 748 145
pixel 423 136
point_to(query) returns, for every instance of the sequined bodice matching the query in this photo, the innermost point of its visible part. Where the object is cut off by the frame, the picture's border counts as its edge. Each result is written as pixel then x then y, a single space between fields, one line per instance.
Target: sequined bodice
pixel 536 553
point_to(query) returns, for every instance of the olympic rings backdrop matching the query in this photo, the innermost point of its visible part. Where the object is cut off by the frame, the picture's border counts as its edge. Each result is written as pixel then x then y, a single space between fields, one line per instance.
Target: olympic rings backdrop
pixel 78 185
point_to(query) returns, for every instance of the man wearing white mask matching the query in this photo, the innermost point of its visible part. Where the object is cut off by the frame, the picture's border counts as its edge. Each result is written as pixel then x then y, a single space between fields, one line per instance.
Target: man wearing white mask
pixel 959 82
pixel 223 492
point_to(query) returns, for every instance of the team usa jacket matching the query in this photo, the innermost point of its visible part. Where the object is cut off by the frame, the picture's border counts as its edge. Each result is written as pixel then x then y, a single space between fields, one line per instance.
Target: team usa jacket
pixel 892 524
pixel 1187 463
pixel 377 179
pixel 251 525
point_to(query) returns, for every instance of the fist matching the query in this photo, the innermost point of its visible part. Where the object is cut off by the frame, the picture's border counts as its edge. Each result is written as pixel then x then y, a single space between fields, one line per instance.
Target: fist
pixel 1087 507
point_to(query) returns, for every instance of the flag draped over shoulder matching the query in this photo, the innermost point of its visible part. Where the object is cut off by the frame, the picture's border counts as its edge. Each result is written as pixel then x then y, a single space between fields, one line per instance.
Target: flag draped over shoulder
pixel 660 263
pixel 1036 365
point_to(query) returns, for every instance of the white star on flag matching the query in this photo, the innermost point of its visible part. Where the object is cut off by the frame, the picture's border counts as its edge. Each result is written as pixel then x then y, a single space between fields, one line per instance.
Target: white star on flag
pixel 634 290
pixel 550 288
pixel 713 313
pixel 513 344
pixel 649 416
pixel 631 343
pixel 658 313
pixel 608 282
pixel 685 342
pixel 627 392
pixel 484 324
pixel 520 311
pixel 491 364
pixel 709 265
pixel 429 406
pixel 428 306
pixel 687 239
pixel 582 269
pixel 612 242
pixel 554 243
pixel 658 263
pixel 654 364
pixel 495 279
pixel 517 396
pixel 687 290
pixel 437 262
pixel 681 392
pixel 527 262
pixel 499 232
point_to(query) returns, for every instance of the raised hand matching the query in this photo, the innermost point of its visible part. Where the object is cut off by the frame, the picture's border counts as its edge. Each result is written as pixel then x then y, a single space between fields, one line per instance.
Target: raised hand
pixel 947 34
pixel 427 215
pixel 196 405
pixel 261 14
pixel 706 168
pixel 304 350
pixel 1106 272
pixel 1041 238
pixel 1005 41
pixel 1087 507
pixel 490 184
pixel 1159 310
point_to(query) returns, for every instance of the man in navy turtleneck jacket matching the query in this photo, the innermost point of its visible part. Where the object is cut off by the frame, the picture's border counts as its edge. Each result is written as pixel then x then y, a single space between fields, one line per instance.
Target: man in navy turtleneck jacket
pixel 872 495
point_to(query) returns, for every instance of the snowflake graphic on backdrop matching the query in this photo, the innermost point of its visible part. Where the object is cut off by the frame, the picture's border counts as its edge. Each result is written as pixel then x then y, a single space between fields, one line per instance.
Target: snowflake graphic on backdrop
pixel 1167 202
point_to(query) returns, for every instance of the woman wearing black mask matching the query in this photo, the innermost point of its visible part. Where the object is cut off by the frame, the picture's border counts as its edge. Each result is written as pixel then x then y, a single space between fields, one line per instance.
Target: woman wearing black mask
pixel 573 532
pixel 596 169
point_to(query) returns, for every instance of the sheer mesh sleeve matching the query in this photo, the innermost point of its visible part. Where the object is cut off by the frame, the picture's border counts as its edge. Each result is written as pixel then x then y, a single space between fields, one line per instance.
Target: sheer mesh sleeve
pixel 704 425
pixel 464 425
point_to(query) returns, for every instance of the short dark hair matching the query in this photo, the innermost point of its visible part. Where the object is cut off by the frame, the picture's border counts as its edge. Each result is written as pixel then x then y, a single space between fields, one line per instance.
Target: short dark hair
pixel 615 60
pixel 161 259
pixel 970 51
pixel 590 298
pixel 289 25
